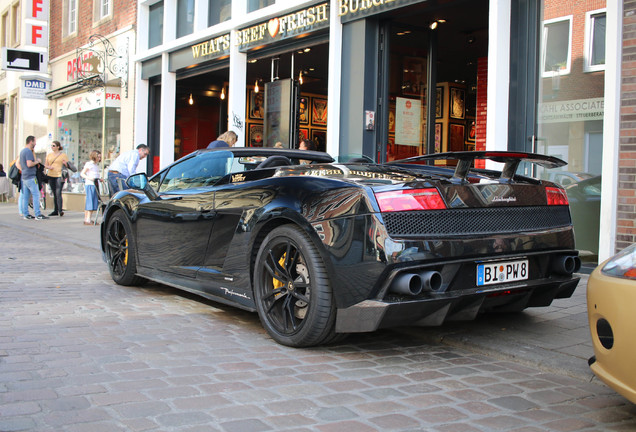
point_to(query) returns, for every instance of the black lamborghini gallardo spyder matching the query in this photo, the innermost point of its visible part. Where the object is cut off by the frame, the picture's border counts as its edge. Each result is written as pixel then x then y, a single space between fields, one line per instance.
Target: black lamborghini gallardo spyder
pixel 320 248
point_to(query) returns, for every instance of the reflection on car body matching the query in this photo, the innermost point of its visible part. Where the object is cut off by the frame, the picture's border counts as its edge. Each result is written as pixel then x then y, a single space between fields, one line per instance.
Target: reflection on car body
pixel 324 249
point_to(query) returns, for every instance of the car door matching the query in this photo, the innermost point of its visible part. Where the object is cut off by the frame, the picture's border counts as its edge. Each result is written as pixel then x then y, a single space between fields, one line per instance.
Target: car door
pixel 173 231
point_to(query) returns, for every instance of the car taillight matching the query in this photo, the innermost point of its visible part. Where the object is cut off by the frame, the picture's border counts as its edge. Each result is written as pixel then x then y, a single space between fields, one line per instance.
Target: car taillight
pixel 556 196
pixel 623 264
pixel 410 199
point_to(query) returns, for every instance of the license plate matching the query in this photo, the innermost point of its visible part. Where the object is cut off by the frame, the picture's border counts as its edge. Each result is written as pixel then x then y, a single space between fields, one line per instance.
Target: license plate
pixel 500 272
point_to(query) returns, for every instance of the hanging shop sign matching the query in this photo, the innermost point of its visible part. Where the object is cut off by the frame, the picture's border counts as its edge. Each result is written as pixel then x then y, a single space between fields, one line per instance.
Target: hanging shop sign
pixel 34 88
pixel 284 27
pixel 214 48
pixel 572 110
pixel 88 101
pixel 350 10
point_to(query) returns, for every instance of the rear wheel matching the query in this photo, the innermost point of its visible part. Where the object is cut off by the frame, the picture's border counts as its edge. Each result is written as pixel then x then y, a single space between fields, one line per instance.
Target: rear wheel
pixel 120 251
pixel 292 290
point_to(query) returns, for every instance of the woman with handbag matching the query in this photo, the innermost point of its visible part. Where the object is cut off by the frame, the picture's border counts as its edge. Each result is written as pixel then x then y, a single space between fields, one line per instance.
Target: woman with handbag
pixel 54 162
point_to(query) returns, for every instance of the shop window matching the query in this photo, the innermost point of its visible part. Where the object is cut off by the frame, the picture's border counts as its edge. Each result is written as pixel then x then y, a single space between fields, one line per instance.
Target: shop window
pixel 155 25
pixel 69 18
pixel 253 5
pixel 219 11
pixel 5 29
pixel 595 41
pixel 102 9
pixel 185 17
pixel 15 24
pixel 557 46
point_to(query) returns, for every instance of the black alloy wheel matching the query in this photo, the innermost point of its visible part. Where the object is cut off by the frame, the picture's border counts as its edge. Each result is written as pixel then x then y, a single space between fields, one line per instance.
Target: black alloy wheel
pixel 120 250
pixel 292 290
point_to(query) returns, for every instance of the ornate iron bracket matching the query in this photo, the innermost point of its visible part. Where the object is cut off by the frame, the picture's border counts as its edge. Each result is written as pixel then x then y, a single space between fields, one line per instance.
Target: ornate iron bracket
pixel 98 61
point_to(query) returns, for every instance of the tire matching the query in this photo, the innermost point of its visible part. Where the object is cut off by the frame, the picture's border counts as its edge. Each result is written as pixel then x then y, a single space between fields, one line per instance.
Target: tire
pixel 292 289
pixel 120 251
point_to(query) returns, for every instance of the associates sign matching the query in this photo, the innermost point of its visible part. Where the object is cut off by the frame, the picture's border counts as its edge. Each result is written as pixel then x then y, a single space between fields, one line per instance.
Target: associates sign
pixel 572 110
pixel 284 27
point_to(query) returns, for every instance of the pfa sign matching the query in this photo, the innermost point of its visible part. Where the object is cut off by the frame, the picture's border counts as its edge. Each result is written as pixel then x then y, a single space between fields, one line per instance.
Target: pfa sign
pixel 20 60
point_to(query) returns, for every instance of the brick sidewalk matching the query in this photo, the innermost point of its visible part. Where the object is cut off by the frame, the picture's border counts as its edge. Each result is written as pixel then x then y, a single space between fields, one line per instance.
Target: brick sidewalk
pixel 79 353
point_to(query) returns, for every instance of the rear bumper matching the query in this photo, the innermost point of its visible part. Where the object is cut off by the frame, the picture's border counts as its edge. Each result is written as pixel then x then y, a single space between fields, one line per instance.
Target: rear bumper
pixel 370 315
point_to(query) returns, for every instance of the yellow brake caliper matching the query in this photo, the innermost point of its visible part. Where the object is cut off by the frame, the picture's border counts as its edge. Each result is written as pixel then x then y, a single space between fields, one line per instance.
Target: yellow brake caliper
pixel 279 284
pixel 126 253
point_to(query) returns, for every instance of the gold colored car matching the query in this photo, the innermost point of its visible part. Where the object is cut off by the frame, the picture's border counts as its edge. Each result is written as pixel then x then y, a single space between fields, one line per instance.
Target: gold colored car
pixel 611 294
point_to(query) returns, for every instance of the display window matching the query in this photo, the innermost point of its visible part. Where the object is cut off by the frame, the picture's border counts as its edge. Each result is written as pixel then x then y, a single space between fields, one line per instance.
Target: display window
pixel 201 111
pixel 81 120
pixel 440 50
pixel 287 98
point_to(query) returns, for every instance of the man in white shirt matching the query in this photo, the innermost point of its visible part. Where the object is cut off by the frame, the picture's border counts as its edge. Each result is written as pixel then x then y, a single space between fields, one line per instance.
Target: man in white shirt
pixel 125 165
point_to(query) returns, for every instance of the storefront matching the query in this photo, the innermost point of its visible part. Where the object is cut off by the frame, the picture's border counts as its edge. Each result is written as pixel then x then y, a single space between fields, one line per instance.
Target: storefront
pixel 389 79
pixel 92 107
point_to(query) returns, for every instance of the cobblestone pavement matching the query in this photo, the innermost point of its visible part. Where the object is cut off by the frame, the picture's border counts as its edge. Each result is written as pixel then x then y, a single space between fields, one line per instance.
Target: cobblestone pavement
pixel 79 353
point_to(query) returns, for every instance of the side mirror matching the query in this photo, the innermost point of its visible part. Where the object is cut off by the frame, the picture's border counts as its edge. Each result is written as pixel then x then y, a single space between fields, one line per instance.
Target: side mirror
pixel 140 182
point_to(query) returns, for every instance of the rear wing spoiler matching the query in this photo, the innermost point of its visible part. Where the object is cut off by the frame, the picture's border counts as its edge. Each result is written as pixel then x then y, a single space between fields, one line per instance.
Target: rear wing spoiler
pixel 465 159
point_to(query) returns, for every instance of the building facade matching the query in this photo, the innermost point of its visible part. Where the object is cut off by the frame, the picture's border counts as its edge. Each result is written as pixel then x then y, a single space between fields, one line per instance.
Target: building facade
pixel 390 79
pixel 23 84
pixel 92 89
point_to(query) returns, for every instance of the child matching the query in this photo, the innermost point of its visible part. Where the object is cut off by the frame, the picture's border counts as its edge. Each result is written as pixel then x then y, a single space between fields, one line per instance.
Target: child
pixel 90 173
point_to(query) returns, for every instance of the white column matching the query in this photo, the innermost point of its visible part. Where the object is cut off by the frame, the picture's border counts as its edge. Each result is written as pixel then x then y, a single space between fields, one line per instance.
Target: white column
pixel 334 78
pixel 141 113
pixel 201 15
pixel 236 93
pixel 167 115
pixel 611 130
pixel 169 20
pixel 498 76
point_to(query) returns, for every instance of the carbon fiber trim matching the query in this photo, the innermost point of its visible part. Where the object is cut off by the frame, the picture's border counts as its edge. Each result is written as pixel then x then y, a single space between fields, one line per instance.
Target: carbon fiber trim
pixel 476 221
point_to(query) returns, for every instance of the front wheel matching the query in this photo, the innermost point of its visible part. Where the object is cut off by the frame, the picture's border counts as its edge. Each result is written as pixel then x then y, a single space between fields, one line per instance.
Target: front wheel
pixel 120 251
pixel 292 290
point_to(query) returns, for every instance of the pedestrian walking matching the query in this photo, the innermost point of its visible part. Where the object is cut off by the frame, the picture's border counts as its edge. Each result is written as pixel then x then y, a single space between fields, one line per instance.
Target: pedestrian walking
pixel 29 185
pixel 2 173
pixel 124 166
pixel 54 163
pixel 90 174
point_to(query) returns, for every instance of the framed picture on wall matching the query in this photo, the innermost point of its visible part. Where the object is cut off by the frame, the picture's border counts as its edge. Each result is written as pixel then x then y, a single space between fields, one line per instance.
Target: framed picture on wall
pixel 318 111
pixel 470 132
pixel 457 103
pixel 256 135
pixel 439 102
pixel 303 110
pixel 456 137
pixel 438 137
pixel 256 105
pixel 392 118
pixel 319 137
pixel 303 134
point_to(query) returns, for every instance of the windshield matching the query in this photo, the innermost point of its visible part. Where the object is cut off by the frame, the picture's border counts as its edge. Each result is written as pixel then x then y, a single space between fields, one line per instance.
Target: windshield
pixel 203 169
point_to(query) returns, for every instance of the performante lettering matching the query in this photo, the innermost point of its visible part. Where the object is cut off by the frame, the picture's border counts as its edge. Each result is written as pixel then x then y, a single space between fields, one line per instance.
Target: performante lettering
pixel 353 6
pixel 213 46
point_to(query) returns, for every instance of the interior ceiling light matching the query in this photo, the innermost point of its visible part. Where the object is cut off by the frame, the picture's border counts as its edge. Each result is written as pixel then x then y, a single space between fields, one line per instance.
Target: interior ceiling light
pixel 252 61
pixel 191 101
pixel 300 77
pixel 307 49
pixel 433 25
pixel 223 93
pixel 256 87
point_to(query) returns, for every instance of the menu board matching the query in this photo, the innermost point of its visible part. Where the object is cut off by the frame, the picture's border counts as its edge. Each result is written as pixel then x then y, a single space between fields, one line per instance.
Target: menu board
pixel 408 117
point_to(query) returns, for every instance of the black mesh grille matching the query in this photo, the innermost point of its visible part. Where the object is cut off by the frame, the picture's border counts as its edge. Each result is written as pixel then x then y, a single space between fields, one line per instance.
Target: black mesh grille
pixel 476 221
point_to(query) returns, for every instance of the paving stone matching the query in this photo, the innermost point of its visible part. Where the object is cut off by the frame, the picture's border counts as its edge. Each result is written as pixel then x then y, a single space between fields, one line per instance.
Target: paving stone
pixel 80 353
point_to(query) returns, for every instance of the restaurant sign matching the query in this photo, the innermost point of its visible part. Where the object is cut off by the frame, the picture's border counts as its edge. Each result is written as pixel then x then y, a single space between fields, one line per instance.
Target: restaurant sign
pixel 284 27
pixel 350 10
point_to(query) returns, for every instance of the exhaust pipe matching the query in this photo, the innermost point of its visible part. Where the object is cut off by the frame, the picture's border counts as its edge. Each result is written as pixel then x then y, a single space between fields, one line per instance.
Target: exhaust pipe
pixel 566 264
pixel 431 280
pixel 407 284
